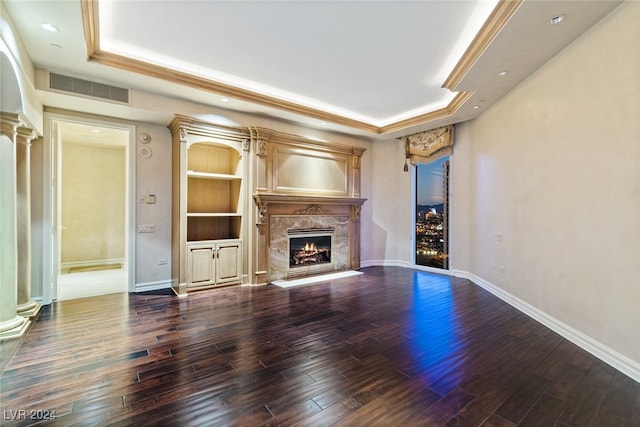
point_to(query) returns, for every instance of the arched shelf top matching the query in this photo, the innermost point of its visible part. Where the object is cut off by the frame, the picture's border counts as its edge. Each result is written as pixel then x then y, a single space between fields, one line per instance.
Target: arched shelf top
pixel 193 131
pixel 192 140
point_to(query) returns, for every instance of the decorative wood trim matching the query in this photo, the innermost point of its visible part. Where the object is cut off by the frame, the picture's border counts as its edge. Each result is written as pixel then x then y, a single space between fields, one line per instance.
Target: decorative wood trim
pixel 301 200
pixel 455 104
pixel 90 26
pixel 311 210
pixel 223 89
pixel 499 17
pixel 9 123
pixel 501 14
pixel 355 211
pixel 193 130
pixel 299 142
pixel 263 209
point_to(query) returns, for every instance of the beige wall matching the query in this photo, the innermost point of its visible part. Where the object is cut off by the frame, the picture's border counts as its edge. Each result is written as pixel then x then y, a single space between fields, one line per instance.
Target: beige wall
pixel 546 187
pixel 93 203
pixel 37 215
pixel 391 206
pixel 153 176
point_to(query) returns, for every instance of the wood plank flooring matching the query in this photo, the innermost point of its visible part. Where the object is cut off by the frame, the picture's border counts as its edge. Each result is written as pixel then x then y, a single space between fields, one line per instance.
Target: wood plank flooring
pixel 391 347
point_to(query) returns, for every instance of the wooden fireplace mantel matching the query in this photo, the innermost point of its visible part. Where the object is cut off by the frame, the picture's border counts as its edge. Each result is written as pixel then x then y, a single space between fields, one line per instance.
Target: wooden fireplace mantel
pixel 300 200
pixel 318 210
pixel 300 182
pixel 267 201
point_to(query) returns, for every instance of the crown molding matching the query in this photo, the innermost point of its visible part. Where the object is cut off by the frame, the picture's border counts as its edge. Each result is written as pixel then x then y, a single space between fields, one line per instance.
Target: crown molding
pixel 498 18
pixel 431 116
pixel 501 14
pixel 89 9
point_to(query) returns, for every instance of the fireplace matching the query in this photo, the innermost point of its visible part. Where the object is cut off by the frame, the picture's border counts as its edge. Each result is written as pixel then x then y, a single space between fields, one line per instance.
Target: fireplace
pixel 304 245
pixel 309 247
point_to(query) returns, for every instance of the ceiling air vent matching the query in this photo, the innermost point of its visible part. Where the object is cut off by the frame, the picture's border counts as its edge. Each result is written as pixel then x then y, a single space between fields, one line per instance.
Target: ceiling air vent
pixel 88 88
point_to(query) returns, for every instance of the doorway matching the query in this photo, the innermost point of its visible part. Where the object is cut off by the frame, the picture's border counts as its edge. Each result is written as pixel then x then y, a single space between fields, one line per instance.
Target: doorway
pixel 91 190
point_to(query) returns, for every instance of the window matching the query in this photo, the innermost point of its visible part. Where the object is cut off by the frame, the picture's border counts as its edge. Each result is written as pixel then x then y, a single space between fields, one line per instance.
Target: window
pixel 432 214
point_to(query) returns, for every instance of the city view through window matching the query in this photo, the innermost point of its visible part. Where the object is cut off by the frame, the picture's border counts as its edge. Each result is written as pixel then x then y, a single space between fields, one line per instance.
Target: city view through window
pixel 432 208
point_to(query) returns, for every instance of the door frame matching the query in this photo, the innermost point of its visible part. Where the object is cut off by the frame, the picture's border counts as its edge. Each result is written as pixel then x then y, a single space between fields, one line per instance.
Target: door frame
pixel 51 204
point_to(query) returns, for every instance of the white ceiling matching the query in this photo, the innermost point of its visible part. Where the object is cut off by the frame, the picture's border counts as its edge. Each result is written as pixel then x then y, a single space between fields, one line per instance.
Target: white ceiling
pixel 362 67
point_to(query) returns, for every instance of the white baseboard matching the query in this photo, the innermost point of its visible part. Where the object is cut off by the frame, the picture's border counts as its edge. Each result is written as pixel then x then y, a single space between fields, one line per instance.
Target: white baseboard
pixel 384 263
pixel 620 362
pixel 153 286
pixel 91 263
pixel 404 264
pixel 432 270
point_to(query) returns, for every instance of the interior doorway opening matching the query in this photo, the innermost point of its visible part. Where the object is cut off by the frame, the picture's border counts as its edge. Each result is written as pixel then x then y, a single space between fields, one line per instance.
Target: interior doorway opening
pixel 92 208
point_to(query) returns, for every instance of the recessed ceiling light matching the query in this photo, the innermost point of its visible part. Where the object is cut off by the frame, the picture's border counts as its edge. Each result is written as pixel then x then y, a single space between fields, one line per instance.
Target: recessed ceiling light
pixel 502 73
pixel 557 19
pixel 224 99
pixel 323 123
pixel 95 130
pixel 475 107
pixel 49 27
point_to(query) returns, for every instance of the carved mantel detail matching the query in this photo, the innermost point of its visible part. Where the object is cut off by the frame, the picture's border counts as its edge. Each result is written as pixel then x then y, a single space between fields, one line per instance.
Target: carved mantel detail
pixel 356 160
pixel 311 210
pixel 355 209
pixel 262 212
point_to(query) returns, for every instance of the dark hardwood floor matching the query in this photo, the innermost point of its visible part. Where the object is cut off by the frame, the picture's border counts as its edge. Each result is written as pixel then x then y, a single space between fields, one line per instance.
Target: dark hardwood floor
pixel 392 347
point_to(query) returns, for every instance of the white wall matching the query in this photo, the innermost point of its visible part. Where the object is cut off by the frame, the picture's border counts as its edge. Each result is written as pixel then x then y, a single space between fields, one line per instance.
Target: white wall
pixel 546 188
pixel 391 205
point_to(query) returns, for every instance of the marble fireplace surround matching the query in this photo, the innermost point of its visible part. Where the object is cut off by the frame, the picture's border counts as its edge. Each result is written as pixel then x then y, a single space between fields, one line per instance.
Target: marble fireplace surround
pixel 277 214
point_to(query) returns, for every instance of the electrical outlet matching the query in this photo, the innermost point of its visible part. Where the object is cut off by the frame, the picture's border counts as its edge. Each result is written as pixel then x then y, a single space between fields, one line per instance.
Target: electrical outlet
pixel 163 261
pixel 146 228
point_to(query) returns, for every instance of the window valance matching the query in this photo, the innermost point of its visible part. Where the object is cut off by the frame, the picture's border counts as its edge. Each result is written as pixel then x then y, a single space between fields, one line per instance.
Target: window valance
pixel 425 147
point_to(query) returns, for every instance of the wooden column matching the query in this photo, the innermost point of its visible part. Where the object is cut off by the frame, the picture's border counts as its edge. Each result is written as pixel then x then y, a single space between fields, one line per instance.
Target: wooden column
pixel 11 325
pixel 26 306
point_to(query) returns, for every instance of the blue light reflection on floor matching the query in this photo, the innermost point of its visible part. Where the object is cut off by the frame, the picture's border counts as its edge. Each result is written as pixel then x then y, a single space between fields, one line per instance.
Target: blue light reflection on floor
pixel 434 338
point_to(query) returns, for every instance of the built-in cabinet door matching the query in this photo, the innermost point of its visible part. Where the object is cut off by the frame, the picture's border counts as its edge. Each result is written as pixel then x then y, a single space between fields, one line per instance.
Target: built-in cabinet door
pixel 201 265
pixel 228 262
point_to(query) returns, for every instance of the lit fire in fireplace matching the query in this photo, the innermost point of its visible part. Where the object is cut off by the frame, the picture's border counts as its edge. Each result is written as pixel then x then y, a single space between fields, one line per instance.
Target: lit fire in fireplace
pixel 307 252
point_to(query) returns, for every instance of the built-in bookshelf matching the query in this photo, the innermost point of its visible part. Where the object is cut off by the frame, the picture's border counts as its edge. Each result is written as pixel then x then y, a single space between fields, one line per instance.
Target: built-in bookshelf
pixel 214 182
pixel 208 205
